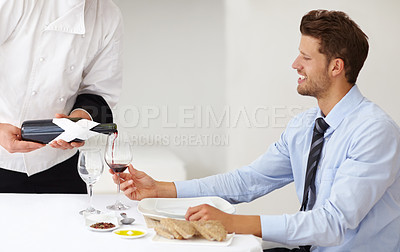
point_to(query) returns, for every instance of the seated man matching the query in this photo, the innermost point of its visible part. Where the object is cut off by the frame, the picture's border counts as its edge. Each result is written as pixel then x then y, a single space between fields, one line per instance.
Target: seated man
pixel 343 156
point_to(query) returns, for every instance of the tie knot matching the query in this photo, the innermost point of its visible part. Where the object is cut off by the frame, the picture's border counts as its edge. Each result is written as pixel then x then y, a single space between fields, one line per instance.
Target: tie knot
pixel 320 125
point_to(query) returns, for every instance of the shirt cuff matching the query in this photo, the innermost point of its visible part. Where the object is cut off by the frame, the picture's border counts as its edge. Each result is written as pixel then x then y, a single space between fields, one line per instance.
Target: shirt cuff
pixel 186 189
pixel 273 228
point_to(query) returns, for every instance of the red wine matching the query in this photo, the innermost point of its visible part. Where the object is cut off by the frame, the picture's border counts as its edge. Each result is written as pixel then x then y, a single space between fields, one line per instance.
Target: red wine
pixel 44 131
pixel 118 167
pixel 113 144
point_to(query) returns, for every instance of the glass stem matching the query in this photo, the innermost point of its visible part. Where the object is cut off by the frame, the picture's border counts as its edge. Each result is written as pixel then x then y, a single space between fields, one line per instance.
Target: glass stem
pixel 119 189
pixel 90 193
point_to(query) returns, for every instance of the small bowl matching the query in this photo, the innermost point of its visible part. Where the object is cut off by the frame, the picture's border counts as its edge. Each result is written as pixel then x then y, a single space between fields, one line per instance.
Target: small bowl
pixel 97 218
pixel 130 233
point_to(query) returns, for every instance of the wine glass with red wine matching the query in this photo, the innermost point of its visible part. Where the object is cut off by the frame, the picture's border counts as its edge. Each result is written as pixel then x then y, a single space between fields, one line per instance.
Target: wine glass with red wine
pixel 118 155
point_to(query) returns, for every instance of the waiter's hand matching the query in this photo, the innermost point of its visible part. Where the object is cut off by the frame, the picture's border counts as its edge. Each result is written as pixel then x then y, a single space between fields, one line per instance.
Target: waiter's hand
pixel 10 139
pixel 137 185
pixel 61 144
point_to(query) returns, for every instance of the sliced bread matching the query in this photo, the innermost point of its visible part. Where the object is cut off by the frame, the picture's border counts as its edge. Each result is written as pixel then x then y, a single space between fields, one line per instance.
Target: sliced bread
pixel 211 230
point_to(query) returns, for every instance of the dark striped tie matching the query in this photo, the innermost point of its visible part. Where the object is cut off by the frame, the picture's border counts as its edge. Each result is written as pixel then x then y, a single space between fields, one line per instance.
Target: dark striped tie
pixel 313 158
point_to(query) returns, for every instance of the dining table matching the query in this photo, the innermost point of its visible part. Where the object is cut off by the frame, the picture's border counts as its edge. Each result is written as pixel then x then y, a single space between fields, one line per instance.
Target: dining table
pixel 51 222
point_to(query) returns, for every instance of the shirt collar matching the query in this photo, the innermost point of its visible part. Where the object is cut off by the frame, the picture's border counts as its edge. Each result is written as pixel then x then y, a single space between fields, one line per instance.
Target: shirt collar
pixel 342 109
pixel 73 21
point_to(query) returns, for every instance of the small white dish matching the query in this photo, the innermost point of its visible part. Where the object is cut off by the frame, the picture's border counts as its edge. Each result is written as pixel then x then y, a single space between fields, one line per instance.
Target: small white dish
pixel 102 229
pixel 97 218
pixel 130 233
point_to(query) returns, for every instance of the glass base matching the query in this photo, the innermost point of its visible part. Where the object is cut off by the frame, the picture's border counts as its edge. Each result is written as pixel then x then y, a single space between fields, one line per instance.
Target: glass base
pixel 118 206
pixel 89 211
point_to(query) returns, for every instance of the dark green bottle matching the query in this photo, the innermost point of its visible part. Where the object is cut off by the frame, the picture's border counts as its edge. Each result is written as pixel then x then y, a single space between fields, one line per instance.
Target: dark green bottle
pixel 44 131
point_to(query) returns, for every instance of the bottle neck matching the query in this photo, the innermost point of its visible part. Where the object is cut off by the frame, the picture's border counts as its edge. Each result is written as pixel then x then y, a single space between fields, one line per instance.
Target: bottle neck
pixel 105 128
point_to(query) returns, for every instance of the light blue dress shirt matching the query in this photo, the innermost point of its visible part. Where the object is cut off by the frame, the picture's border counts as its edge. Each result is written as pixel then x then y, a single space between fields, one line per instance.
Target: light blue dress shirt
pixel 357 205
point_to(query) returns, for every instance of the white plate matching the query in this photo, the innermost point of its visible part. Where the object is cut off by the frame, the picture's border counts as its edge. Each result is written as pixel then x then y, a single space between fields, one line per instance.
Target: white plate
pixel 96 218
pixel 194 241
pixel 130 229
pixel 179 207
pixel 157 208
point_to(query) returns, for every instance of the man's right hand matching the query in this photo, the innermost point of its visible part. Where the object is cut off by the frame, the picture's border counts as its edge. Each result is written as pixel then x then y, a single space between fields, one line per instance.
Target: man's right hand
pixel 137 185
pixel 10 139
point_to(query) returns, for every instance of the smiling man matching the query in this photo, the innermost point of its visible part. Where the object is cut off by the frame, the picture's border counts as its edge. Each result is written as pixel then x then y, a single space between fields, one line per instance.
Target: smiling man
pixel 343 156
pixel 313 69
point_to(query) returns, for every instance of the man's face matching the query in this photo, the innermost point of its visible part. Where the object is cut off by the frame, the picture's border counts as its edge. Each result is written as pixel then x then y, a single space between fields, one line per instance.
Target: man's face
pixel 312 67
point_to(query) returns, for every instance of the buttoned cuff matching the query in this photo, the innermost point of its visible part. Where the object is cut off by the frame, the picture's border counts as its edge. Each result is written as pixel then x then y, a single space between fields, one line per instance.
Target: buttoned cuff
pixel 273 228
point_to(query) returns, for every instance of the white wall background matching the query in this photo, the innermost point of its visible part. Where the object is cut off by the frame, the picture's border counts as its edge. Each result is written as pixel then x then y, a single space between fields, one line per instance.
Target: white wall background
pixel 184 56
pixel 174 60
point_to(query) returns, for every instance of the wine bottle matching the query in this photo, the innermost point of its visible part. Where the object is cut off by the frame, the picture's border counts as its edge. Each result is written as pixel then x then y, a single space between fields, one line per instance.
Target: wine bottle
pixel 44 131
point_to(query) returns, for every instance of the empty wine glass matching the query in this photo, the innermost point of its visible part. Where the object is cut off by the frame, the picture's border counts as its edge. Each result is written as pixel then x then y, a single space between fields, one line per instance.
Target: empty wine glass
pixel 90 168
pixel 118 155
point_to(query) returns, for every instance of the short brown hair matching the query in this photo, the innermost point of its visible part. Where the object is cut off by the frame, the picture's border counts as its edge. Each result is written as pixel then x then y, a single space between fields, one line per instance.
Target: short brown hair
pixel 340 37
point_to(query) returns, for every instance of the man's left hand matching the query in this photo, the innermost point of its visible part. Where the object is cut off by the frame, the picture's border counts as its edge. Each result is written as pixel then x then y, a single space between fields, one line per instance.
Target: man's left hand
pixel 233 223
pixel 207 212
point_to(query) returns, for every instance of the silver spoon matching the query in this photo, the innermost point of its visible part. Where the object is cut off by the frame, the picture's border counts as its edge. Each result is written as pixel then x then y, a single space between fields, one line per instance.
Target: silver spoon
pixel 126 220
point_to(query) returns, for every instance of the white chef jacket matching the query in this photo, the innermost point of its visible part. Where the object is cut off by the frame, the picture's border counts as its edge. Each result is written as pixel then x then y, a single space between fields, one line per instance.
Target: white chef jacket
pixel 50 52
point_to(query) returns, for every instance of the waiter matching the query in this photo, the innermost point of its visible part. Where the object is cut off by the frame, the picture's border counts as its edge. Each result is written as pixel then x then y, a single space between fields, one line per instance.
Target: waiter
pixel 57 59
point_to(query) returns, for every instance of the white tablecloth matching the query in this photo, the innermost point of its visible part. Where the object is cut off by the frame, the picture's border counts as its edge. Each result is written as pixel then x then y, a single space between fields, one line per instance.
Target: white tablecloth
pixel 51 222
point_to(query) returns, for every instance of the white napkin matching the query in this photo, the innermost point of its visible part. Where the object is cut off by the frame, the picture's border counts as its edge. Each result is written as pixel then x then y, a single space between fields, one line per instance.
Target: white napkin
pixel 72 130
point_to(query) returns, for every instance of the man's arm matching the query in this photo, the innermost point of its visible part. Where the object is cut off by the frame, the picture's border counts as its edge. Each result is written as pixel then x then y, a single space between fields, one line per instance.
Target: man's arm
pixel 138 185
pixel 233 223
